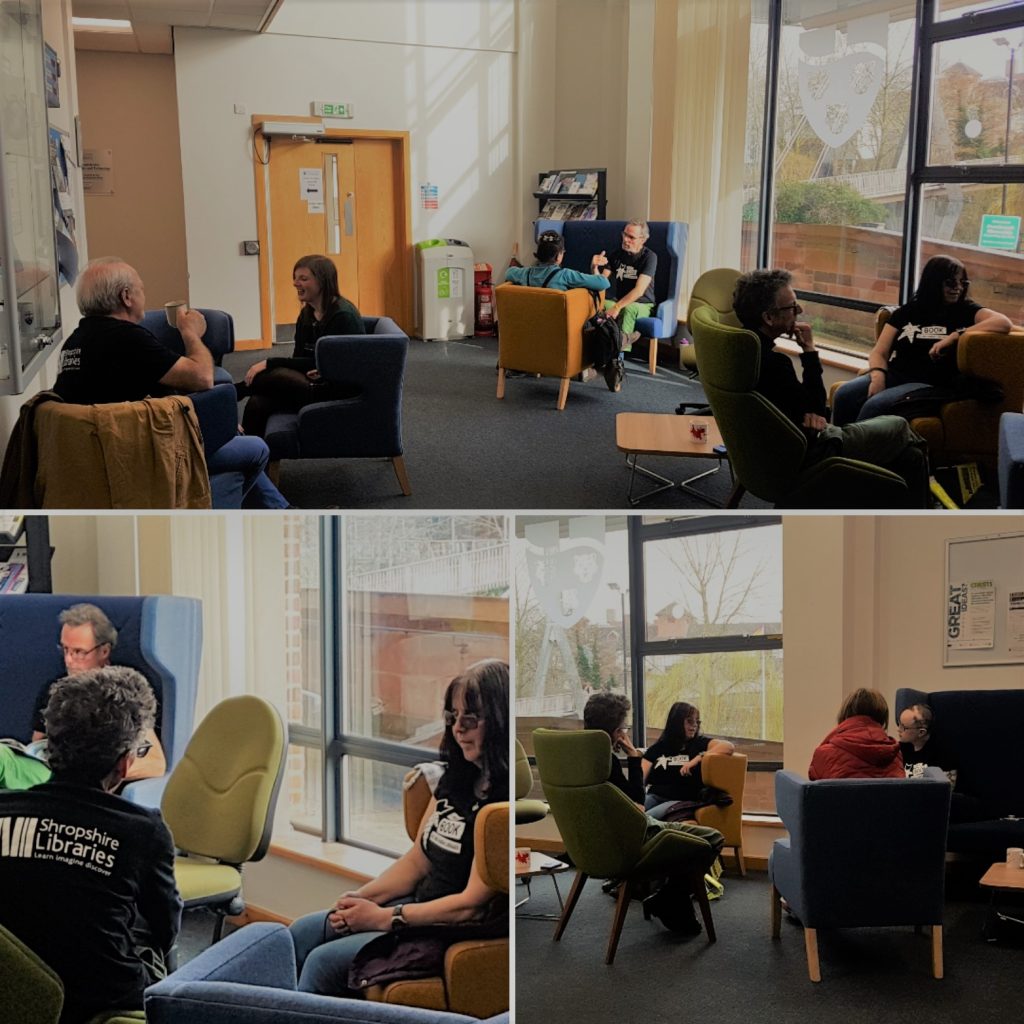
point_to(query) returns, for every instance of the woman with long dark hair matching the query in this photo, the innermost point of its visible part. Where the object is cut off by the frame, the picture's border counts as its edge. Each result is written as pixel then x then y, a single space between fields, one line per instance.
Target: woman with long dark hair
pixel 916 349
pixel 281 384
pixel 671 765
pixel 435 882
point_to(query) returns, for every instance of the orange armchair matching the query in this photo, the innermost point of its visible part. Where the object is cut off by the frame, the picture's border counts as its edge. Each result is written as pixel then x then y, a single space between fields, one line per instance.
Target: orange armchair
pixel 728 772
pixel 476 974
pixel 541 332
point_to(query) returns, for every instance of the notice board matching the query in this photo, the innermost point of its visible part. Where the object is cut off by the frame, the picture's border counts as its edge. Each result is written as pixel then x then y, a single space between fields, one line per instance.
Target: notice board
pixel 983 616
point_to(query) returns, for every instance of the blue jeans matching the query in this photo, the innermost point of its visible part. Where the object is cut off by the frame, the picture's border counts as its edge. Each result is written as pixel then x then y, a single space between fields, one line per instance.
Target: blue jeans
pixel 852 402
pixel 323 958
pixel 247 456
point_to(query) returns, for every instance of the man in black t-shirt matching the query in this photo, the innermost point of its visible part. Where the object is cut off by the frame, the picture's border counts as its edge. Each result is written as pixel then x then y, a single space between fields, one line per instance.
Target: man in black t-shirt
pixel 87 877
pixel 111 357
pixel 631 269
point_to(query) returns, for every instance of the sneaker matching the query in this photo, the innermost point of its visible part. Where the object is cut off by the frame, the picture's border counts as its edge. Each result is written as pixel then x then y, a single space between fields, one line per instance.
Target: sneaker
pixel 629 340
pixel 614 374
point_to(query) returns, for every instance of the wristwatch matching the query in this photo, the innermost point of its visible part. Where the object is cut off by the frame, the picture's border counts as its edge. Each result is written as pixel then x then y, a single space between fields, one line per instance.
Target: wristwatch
pixel 398 918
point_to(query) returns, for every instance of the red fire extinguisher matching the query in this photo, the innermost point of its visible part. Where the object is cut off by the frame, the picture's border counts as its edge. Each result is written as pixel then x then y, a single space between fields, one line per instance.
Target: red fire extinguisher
pixel 484 295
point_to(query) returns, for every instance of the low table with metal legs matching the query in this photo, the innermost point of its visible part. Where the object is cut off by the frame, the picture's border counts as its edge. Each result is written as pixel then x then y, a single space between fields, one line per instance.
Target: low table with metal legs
pixel 540 864
pixel 1001 877
pixel 641 433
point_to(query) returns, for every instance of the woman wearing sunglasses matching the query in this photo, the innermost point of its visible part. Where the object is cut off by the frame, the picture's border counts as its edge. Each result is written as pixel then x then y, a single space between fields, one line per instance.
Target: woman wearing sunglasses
pixel 434 883
pixel 916 349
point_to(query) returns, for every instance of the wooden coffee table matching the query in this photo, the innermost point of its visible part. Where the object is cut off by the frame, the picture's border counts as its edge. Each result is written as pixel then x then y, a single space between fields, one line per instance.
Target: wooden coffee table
pixel 643 433
pixel 1001 877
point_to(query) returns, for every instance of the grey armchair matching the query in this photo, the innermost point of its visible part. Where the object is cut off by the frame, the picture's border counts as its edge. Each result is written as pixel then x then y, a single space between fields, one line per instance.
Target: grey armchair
pixel 365 426
pixel 219 337
pixel 249 978
pixel 847 864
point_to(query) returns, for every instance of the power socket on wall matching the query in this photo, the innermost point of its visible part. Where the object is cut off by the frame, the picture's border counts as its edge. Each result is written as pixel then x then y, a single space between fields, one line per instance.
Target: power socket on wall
pixel 249 248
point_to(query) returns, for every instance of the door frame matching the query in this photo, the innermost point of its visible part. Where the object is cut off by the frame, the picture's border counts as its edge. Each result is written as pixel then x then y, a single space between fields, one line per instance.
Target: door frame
pixel 403 209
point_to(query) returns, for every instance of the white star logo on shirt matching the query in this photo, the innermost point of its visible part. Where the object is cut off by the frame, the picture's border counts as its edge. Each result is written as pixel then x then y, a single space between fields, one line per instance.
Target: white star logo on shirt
pixel 662 762
pixel 910 332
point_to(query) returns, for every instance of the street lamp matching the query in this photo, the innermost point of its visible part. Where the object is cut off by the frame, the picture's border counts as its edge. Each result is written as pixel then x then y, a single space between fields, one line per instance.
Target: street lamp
pixel 1003 41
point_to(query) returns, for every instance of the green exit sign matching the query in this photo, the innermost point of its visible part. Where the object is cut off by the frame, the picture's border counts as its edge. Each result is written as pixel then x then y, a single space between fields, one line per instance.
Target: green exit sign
pixel 321 109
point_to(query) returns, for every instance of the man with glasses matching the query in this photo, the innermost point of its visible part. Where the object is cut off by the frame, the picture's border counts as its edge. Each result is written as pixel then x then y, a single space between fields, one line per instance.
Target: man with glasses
pixel 88 877
pixel 87 641
pixel 765 303
pixel 631 270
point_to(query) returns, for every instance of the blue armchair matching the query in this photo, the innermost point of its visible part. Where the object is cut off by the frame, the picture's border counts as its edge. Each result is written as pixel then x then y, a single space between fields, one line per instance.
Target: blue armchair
pixel 1011 460
pixel 219 337
pixel 583 238
pixel 860 853
pixel 160 636
pixel 365 426
pixel 250 977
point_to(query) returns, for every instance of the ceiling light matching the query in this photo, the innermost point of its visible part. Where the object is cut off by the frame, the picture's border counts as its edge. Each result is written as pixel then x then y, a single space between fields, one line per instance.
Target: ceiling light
pixel 103 24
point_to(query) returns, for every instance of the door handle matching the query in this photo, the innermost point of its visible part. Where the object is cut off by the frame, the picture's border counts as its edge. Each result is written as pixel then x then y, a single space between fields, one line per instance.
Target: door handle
pixel 348 213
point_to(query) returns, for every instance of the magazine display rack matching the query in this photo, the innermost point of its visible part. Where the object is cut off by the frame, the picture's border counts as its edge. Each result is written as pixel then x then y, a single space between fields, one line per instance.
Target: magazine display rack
pixel 572 194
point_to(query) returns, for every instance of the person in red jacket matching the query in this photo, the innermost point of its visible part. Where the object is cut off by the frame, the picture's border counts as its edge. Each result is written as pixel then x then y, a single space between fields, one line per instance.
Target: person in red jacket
pixel 858 747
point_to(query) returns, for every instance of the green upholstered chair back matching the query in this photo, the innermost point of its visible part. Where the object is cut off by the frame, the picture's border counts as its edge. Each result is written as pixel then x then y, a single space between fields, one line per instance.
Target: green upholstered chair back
pixel 30 991
pixel 219 800
pixel 602 828
pixel 524 777
pixel 715 288
pixel 765 448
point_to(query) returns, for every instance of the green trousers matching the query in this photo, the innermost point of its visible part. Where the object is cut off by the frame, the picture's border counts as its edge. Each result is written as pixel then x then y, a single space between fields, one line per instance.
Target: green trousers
pixel 629 315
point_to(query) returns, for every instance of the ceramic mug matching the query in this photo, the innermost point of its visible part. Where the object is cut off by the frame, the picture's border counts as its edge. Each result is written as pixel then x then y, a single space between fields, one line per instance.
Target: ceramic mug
pixel 522 856
pixel 171 311
pixel 1015 857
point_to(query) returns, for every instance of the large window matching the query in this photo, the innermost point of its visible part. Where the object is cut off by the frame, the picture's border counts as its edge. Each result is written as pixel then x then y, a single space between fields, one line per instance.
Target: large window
pixel 662 609
pixel 884 141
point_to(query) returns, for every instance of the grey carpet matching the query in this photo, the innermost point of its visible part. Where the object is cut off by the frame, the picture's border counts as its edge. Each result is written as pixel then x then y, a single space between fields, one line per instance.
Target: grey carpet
pixel 466 449
pixel 868 975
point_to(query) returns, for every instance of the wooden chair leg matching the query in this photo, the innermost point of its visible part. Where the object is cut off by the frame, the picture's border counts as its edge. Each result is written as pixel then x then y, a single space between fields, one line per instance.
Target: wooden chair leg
pixel 403 478
pixel 937 951
pixel 563 393
pixel 776 913
pixel 740 863
pixel 621 907
pixel 274 471
pixel 701 895
pixel 570 903
pixel 652 356
pixel 501 381
pixel 811 944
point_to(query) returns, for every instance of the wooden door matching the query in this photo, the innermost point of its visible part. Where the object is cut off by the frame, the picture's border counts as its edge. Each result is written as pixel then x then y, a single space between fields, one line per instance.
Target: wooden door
pixel 343 198
pixel 311 211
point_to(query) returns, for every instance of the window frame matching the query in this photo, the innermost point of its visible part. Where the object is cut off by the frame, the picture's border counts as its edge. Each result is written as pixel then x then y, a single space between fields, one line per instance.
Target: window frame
pixel 928 33
pixel 639 534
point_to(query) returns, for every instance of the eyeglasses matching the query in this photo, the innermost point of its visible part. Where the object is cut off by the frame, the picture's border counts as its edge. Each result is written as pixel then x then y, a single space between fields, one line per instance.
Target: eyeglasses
pixel 959 284
pixel 632 238
pixel 467 720
pixel 143 749
pixel 78 652
pixel 794 308
pixel 694 721
pixel 907 728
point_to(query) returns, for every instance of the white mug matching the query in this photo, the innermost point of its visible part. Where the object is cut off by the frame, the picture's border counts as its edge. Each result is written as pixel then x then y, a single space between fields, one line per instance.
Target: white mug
pixel 1015 857
pixel 171 311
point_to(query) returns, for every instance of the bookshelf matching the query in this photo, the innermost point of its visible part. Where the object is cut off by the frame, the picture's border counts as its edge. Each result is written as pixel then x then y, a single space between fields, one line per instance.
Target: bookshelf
pixel 577 194
pixel 25 555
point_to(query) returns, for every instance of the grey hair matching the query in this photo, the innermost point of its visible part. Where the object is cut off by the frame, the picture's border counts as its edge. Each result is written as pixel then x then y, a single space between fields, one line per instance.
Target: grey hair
pixel 642 225
pixel 922 713
pixel 95 717
pixel 101 283
pixel 89 615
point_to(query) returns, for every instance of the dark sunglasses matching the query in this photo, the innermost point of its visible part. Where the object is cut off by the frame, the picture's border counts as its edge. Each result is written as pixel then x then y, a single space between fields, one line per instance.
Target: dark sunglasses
pixel 469 721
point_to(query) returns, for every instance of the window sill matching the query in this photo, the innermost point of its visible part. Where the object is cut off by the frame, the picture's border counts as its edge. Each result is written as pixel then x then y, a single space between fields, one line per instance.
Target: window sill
pixel 836 360
pixel 331 858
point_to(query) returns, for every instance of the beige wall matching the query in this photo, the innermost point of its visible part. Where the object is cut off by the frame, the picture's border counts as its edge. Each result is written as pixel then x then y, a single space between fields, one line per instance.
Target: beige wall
pixel 128 104
pixel 863 606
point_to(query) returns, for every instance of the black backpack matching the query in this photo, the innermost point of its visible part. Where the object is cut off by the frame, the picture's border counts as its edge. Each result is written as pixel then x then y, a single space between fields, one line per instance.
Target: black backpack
pixel 602 337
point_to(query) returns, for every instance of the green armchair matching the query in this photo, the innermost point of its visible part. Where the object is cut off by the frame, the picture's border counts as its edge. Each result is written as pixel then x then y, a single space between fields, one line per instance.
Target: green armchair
pixel 527 810
pixel 765 448
pixel 604 832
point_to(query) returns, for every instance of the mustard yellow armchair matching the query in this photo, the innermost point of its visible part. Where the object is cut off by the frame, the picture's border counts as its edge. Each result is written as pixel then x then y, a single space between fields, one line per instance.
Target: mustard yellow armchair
pixel 476 974
pixel 728 772
pixel 540 331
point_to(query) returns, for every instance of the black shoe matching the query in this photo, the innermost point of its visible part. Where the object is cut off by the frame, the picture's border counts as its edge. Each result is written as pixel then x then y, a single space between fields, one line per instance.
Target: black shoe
pixel 611 888
pixel 614 374
pixel 672 906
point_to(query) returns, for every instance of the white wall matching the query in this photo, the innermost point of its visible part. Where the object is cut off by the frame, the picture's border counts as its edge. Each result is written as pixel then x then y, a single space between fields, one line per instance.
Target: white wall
pixel 457 103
